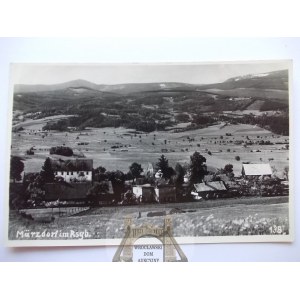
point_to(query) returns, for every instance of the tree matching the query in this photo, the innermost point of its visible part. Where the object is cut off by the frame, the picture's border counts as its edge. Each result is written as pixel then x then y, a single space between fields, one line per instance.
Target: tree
pixel 179 174
pixel 97 192
pixel 197 167
pixel 182 117
pixel 166 170
pixel 60 150
pixel 228 170
pixel 17 199
pixel 37 195
pixel 129 198
pixel 47 173
pixel 135 170
pixel 16 168
pixel 98 189
pixel 117 179
pixel 100 169
pixel 99 174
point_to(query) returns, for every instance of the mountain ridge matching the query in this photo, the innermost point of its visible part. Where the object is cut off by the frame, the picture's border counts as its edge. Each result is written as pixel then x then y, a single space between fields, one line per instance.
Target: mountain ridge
pixel 126 87
pixel 268 90
pixel 268 80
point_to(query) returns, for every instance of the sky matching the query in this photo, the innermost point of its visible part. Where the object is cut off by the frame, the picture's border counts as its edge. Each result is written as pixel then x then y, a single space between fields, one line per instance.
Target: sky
pixel 139 73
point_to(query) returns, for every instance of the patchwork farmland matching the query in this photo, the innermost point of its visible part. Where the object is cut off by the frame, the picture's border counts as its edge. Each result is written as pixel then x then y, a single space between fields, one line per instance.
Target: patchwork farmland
pixel 117 148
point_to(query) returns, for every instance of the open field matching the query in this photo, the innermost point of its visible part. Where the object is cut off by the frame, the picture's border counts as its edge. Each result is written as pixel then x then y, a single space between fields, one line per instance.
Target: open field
pixel 129 146
pixel 189 219
pixel 37 124
pixel 252 92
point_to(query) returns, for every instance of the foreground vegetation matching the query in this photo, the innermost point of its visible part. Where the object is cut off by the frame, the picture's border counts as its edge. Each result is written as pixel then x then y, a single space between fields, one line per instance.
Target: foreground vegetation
pixel 108 222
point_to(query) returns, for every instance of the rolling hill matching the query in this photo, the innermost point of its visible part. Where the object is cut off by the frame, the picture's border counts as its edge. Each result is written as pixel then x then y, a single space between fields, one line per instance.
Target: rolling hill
pixel 273 85
pixel 265 91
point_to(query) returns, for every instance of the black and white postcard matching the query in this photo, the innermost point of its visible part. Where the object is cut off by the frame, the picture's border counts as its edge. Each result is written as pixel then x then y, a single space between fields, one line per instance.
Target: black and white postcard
pixel 207 146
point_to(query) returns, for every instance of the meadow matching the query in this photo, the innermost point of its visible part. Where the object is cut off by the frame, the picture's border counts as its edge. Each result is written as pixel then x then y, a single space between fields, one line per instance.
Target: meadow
pixel 189 220
pixel 117 148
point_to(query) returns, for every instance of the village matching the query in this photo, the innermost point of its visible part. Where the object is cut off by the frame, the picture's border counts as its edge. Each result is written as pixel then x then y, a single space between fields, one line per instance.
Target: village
pixel 74 182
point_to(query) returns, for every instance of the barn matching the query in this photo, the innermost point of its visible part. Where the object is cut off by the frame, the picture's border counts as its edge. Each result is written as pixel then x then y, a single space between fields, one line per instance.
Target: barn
pixel 209 190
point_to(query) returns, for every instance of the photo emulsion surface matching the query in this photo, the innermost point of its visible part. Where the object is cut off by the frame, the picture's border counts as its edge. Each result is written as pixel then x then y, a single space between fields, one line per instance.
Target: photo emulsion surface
pixel 94 147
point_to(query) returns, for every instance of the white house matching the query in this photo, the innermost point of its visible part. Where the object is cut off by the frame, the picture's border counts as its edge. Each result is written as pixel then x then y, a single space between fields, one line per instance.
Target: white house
pixel 73 170
pixel 256 170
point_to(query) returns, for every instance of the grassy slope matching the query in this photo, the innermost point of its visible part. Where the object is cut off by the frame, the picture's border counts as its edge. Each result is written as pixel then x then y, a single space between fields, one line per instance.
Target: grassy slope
pixel 196 221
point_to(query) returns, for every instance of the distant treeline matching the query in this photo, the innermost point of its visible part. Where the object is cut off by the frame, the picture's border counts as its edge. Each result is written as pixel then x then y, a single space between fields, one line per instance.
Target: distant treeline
pixel 276 124
pixel 148 112
pixel 144 120
pixel 148 122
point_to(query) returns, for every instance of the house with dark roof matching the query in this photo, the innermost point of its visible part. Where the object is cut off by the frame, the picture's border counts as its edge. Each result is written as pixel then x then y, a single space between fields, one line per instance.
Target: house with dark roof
pixel 209 190
pixel 217 177
pixel 73 170
pixel 66 192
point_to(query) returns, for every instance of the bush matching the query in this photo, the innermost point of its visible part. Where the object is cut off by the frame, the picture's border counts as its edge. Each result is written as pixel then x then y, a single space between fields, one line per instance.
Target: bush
pixel 237 158
pixel 60 150
pixel 182 117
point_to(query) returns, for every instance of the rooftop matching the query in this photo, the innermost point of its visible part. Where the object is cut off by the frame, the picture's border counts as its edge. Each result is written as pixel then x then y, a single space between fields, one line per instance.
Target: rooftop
pixel 210 186
pixel 72 165
pixel 256 169
pixel 66 191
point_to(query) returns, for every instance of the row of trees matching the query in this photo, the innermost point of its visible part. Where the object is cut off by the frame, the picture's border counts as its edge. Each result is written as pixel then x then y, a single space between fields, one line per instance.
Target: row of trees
pixel 32 188
pixel 141 120
pixel 277 124
pixel 197 169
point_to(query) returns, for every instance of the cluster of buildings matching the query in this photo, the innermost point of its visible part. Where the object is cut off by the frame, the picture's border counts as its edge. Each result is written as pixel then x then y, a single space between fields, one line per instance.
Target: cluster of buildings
pixel 77 173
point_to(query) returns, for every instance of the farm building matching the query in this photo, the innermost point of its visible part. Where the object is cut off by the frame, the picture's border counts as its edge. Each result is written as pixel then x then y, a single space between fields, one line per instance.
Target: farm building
pixel 73 170
pixel 165 193
pixel 67 192
pixel 207 190
pixel 161 193
pixel 219 177
pixel 256 170
pixel 145 193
